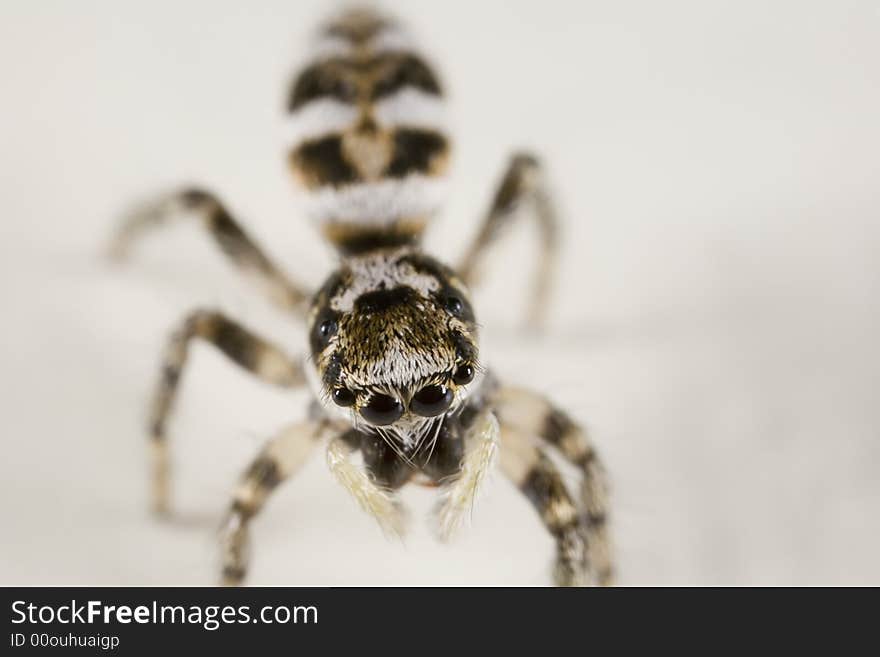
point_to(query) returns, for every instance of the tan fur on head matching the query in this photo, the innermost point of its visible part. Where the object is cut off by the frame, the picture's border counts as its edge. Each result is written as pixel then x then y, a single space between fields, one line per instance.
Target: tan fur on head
pixel 398 348
pixel 400 321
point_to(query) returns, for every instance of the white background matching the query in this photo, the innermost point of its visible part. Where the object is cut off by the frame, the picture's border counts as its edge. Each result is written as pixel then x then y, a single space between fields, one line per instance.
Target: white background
pixel 716 323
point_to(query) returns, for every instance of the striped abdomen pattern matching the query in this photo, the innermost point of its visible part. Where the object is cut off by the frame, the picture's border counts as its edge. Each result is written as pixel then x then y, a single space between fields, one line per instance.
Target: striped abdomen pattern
pixel 367 134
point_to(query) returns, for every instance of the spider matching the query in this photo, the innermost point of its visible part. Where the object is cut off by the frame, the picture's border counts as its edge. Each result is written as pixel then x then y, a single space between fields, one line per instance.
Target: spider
pixel 393 342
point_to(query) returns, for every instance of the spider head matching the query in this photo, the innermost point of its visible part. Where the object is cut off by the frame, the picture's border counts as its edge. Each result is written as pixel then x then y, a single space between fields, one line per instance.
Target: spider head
pixel 393 342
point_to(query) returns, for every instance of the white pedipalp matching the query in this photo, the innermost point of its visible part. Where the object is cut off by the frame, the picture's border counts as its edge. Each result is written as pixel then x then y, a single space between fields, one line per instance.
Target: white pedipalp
pixel 373 499
pixel 458 497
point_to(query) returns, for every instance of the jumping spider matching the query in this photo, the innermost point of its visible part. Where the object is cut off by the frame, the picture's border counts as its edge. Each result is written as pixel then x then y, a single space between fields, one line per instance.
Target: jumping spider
pixel 392 336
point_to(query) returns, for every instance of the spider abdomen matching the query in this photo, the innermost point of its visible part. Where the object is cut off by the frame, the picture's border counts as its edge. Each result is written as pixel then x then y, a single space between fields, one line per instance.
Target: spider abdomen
pixel 367 135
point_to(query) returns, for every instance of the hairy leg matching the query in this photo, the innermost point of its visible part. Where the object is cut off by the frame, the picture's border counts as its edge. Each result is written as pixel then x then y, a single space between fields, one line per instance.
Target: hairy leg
pixel 252 353
pixel 233 241
pixel 521 188
pixel 376 500
pixel 533 415
pixel 279 458
pixel 539 480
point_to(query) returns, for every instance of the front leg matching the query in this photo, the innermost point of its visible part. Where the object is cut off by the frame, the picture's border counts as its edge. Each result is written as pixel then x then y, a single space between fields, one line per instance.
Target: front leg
pixel 278 460
pixel 539 480
pixel 529 414
pixel 522 188
pixel 252 353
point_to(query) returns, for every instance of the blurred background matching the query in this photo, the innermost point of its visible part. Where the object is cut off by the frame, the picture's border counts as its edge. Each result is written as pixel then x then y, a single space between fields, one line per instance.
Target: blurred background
pixel 715 325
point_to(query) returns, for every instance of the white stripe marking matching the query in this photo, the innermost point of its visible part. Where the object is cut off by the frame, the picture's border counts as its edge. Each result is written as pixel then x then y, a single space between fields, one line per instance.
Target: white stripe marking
pixel 379 203
pixel 412 108
pixel 408 107
pixel 379 271
pixel 318 118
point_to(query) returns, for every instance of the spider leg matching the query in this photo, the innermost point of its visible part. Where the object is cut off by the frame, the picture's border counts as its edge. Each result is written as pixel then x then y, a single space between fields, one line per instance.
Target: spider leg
pixel 278 459
pixel 231 238
pixel 528 467
pixel 252 353
pixel 531 414
pixel 522 187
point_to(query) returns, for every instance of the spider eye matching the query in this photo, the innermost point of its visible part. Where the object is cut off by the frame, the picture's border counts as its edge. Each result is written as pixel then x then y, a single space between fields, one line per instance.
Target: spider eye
pixel 454 305
pixel 382 410
pixel 463 375
pixel 343 397
pixel 324 328
pixel 431 401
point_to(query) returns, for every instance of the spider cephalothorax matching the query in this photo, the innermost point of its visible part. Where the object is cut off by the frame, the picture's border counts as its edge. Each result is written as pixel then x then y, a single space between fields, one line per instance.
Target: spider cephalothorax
pixel 393 350
pixel 394 342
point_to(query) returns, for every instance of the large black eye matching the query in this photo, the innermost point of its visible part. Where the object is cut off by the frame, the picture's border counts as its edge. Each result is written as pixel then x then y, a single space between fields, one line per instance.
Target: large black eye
pixel 327 328
pixel 463 375
pixel 382 410
pixel 454 305
pixel 324 328
pixel 431 401
pixel 457 304
pixel 343 397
